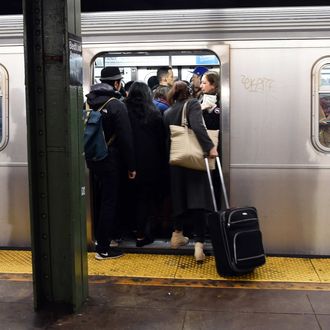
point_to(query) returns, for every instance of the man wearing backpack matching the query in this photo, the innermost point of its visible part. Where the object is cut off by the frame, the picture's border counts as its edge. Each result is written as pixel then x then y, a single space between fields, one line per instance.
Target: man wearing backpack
pixel 104 97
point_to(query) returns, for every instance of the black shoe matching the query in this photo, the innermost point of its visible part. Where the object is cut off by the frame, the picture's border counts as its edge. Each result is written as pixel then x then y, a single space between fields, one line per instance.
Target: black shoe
pixel 144 241
pixel 111 254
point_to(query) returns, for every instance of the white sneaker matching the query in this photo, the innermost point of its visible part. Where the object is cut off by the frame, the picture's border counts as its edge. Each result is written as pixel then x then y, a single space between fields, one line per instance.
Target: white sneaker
pixel 111 254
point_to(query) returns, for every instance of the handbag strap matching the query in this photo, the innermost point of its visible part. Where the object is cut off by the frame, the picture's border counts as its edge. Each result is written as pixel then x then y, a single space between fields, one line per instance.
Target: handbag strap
pixel 184 120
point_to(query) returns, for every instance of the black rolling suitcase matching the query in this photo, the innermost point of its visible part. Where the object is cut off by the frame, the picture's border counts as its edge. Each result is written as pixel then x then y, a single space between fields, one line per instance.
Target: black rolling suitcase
pixel 235 234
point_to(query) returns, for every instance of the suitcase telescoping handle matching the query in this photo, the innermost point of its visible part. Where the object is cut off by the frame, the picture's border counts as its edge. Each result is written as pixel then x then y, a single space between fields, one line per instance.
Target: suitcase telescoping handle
pixel 223 187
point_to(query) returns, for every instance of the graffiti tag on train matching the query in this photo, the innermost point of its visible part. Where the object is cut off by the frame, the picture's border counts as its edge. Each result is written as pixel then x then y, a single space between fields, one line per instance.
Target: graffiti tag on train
pixel 259 85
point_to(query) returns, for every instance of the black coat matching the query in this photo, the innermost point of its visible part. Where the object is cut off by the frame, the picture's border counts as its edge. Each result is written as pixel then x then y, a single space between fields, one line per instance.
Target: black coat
pixel 149 149
pixel 116 123
pixel 189 188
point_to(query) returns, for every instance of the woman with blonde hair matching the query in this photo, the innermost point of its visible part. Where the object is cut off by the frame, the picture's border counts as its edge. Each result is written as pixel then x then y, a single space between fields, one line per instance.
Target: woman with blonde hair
pixel 190 191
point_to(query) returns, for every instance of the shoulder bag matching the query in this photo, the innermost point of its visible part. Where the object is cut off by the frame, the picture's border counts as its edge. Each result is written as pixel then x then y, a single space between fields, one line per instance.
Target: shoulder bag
pixel 185 149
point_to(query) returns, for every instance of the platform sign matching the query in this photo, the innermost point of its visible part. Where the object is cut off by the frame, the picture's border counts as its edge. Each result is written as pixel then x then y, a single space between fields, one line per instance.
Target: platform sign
pixel 75 60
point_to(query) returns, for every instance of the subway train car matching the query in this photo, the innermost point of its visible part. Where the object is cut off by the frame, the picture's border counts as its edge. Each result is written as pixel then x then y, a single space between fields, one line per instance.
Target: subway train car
pixel 274 66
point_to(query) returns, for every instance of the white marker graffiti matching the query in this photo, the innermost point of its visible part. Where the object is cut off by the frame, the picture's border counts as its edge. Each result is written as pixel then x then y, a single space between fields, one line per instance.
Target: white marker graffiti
pixel 259 85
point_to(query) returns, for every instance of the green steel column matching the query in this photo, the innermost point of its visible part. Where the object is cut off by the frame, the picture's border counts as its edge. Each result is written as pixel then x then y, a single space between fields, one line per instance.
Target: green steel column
pixel 53 70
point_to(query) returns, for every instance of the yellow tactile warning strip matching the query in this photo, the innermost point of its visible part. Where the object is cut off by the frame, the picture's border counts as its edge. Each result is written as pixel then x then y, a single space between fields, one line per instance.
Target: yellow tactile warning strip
pixel 15 262
pixel 322 267
pixel 139 265
pixel 276 269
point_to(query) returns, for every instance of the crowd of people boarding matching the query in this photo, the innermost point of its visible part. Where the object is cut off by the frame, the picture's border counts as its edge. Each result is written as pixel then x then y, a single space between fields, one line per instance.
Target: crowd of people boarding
pixel 136 120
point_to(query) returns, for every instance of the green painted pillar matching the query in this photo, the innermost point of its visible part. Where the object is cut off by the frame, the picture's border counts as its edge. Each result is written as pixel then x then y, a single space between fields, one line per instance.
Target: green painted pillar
pixel 53 78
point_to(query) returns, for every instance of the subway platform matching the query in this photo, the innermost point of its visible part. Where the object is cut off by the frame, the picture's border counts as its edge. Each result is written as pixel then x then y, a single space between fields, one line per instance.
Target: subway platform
pixel 159 291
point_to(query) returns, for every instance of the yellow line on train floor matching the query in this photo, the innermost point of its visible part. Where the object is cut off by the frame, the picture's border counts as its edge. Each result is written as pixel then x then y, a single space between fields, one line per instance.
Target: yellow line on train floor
pixel 178 268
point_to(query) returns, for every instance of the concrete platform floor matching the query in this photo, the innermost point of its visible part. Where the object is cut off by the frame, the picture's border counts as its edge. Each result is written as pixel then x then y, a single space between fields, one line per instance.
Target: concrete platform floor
pixel 124 306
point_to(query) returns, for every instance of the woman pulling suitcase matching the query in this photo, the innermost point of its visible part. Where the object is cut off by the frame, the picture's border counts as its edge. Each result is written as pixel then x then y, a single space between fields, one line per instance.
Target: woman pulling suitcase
pixel 190 192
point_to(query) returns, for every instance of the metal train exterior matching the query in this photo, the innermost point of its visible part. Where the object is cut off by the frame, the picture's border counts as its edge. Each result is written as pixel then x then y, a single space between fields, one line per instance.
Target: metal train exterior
pixel 273 67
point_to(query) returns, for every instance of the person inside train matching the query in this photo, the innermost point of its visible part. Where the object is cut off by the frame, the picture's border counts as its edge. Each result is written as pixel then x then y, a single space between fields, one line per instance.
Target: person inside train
pixel 151 159
pixel 106 172
pixel 196 81
pixel 153 82
pixel 0 119
pixel 324 122
pixel 128 86
pixel 165 76
pixel 210 100
pixel 190 191
pixel 160 98
pixel 211 114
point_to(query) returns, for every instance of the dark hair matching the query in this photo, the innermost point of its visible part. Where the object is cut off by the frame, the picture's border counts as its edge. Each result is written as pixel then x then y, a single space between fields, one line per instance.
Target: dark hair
pixel 179 92
pixel 213 78
pixel 139 101
pixel 163 72
pixel 161 92
pixel 128 85
pixel 152 82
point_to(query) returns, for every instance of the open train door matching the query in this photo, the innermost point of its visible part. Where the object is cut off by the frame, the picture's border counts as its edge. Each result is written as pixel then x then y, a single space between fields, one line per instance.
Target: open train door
pixel 141 65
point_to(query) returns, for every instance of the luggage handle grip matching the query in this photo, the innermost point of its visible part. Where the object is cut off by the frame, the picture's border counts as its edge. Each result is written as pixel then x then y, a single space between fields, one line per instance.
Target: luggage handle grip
pixel 223 187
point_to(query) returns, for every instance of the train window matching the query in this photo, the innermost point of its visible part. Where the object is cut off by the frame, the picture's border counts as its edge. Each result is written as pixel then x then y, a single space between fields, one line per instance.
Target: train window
pixel 3 107
pixel 143 65
pixel 321 102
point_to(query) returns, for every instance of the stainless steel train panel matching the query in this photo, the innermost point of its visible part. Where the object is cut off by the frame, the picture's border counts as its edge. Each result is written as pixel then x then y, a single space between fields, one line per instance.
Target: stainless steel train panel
pixel 273 162
pixel 292 206
pixel 14 209
pixel 267 56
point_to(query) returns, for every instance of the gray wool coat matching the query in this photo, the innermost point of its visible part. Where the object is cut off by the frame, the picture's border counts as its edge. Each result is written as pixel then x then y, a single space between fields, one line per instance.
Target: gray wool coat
pixel 189 188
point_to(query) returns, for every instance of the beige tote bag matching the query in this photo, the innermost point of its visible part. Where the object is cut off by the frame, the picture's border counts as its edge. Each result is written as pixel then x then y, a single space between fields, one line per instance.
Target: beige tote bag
pixel 185 149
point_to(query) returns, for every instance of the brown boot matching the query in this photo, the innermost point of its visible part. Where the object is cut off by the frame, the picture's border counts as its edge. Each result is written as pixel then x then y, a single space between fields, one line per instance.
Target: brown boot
pixel 199 253
pixel 178 239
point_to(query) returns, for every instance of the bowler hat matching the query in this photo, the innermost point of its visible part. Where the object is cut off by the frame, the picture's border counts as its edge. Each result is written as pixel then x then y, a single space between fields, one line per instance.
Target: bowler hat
pixel 111 73
pixel 200 70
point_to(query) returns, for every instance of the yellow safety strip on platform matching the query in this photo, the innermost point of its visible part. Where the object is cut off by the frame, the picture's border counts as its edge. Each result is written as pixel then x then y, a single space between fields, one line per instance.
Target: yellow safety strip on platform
pixel 15 262
pixel 276 269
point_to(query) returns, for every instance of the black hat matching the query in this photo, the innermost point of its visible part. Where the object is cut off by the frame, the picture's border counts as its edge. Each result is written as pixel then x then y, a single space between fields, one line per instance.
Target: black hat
pixel 111 73
pixel 153 82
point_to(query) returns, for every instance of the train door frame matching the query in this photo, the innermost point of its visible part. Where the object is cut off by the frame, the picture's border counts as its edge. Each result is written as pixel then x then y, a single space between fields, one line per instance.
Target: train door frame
pixel 220 50
pixel 4 139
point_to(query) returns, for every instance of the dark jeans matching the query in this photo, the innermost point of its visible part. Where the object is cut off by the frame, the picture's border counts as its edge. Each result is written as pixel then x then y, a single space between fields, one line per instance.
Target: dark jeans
pixel 198 218
pixel 105 197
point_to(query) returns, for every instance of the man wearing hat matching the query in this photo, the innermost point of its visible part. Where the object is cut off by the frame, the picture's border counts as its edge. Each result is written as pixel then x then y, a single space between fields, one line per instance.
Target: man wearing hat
pixel 110 173
pixel 196 80
pixel 111 75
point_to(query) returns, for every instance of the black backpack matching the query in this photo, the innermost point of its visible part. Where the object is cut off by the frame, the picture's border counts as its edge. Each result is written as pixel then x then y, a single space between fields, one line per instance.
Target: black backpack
pixel 95 145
